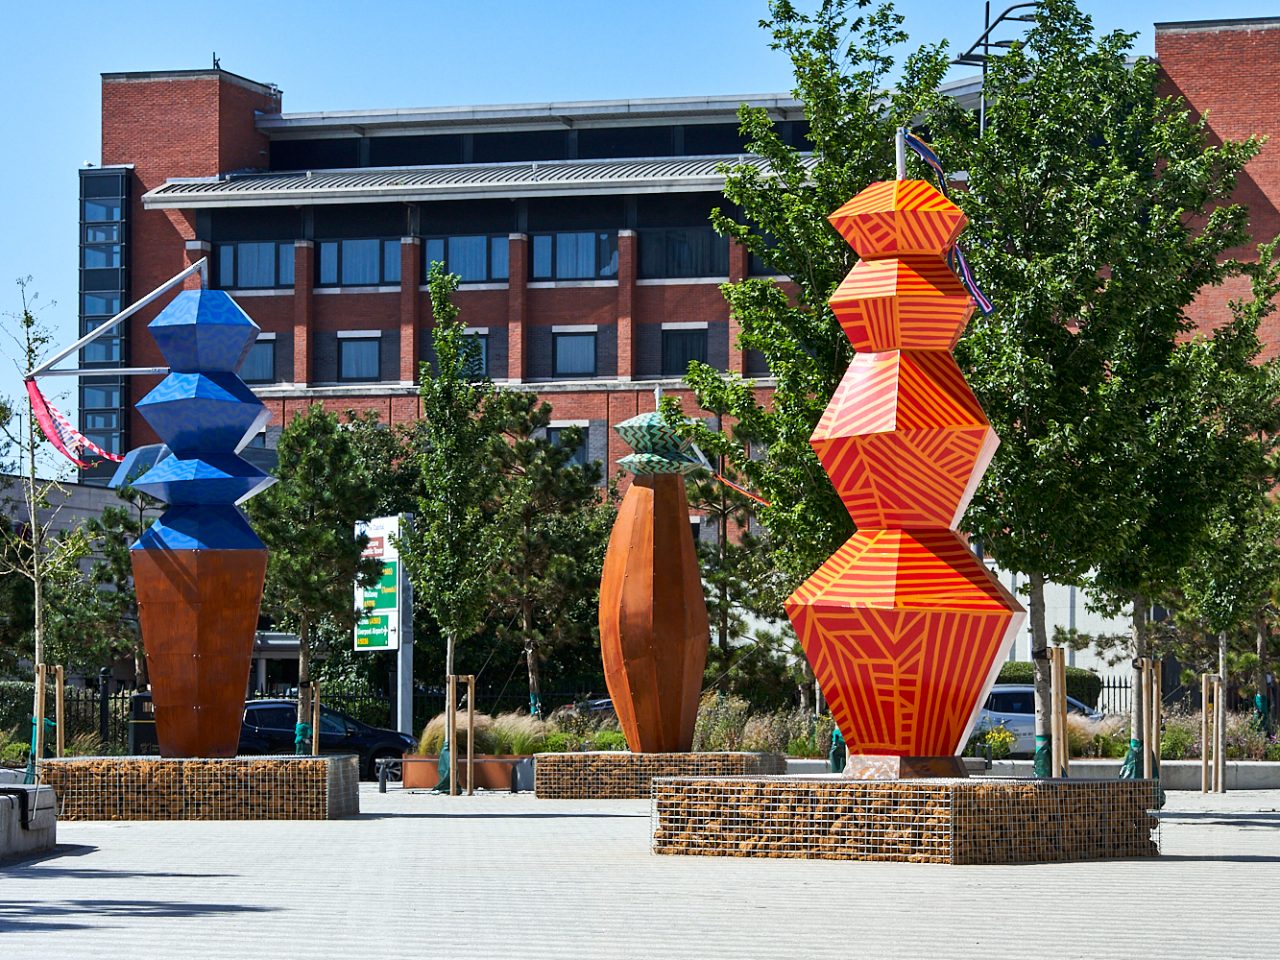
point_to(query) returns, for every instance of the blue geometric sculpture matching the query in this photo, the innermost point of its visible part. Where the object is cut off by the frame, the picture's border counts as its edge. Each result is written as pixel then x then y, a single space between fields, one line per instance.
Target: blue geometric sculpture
pixel 205 414
pixel 199 569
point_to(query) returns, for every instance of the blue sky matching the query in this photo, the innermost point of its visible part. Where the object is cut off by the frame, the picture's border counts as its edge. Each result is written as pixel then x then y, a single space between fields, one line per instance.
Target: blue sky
pixel 391 54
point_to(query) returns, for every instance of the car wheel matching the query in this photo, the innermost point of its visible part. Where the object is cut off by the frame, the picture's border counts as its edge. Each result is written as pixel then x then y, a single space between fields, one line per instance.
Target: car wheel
pixel 393 773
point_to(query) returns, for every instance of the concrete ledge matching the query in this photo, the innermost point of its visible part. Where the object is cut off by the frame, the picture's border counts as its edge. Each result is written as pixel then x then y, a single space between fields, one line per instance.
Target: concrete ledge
pixel 28 820
pixel 1174 774
pixel 235 788
pixel 619 775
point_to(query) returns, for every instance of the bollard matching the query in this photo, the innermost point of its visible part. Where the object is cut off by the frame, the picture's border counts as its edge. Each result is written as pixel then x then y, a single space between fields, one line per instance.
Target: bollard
pixel 382 776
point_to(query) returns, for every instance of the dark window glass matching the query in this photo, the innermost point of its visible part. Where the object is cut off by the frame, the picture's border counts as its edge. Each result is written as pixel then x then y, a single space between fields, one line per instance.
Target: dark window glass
pixel 358 359
pixel 557 434
pixel 284 258
pixel 683 252
pixel 479 366
pixel 695 527
pixel 390 261
pixel 255 265
pixel 331 724
pixel 540 262
pixel 102 185
pixel 273 718
pixel 100 395
pixel 525 145
pixel 574 354
pixel 707 139
pixel 259 441
pixel 314 154
pixel 260 365
pixel 102 302
pixel 329 263
pixel 360 261
pixel 98 209
pixel 757 266
pixel 499 248
pixel 102 233
pixel 108 440
pixel 1013 701
pixel 102 350
pixel 597 142
pixel 434 248
pixel 226 265
pixel 100 256
pixel 680 348
pixel 575 255
pixel 101 420
pixel 468 257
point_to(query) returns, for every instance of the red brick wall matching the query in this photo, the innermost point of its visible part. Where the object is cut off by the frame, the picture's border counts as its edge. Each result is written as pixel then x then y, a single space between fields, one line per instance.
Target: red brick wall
pixel 166 127
pixel 1231 75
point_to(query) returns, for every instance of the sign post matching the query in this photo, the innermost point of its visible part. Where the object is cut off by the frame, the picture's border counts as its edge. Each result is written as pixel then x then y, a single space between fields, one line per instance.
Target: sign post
pixel 386 610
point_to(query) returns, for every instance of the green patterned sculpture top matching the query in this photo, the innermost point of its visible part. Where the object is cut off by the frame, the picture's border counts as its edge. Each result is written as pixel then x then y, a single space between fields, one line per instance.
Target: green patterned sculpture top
pixel 657 448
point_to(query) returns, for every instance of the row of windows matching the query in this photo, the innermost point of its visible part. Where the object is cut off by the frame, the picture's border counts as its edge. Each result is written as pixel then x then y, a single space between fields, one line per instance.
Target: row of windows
pixel 572 355
pixel 479 258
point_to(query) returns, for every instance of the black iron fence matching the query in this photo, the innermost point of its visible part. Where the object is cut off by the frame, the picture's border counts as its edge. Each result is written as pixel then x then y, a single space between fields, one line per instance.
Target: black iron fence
pixel 1116 696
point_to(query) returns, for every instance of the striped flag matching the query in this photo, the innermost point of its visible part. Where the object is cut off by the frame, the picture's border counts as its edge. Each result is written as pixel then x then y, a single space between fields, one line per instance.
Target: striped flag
pixel 59 430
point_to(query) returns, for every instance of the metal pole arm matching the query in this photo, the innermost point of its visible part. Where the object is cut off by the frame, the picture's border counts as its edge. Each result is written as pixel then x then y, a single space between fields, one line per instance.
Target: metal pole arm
pixel 199 266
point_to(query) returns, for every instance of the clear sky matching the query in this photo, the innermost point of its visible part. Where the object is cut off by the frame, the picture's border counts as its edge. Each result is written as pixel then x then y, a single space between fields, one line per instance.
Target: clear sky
pixel 329 55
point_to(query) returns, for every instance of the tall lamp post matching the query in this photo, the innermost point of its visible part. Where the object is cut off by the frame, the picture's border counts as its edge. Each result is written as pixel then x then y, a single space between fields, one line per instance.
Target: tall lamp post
pixel 973 58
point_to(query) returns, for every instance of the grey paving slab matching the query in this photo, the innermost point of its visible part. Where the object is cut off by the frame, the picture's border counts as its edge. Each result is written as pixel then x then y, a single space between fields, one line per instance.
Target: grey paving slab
pixel 507 876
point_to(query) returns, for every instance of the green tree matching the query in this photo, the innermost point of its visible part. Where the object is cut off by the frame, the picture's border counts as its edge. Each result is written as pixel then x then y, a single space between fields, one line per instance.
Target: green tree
pixel 553 529
pixel 307 520
pixel 843 60
pixel 455 544
pixel 1097 213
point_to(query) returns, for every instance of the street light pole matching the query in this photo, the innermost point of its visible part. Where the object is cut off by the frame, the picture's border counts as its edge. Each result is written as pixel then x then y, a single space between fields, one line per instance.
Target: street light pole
pixel 972 58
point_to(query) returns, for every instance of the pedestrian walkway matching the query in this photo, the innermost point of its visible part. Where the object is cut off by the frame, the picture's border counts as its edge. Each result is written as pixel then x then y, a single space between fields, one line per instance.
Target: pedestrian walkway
pixel 503 876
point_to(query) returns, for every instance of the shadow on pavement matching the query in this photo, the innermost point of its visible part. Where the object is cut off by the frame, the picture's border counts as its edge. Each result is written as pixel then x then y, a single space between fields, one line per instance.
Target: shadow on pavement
pixel 40 915
pixel 499 816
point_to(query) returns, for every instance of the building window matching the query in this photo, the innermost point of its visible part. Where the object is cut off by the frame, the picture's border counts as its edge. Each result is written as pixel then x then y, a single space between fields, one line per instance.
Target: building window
pixel 574 256
pixel 573 354
pixel 478 368
pixel 102 209
pixel 101 303
pixel 358 263
pixel 254 265
pixel 680 348
pixel 358 359
pixel 478 258
pixel 99 396
pixel 683 252
pixel 260 365
pixel 558 436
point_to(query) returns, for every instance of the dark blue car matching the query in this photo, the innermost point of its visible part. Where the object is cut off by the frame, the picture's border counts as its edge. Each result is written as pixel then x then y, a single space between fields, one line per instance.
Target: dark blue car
pixel 269 728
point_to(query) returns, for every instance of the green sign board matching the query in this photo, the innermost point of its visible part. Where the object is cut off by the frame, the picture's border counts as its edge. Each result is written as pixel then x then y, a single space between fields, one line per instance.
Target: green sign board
pixel 379 605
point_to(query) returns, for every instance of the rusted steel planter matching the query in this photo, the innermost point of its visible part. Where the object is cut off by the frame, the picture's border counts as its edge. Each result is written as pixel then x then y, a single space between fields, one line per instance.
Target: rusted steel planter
pixel 493 771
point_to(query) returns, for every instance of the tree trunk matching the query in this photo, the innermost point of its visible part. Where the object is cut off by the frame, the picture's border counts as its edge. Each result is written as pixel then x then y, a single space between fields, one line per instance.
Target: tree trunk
pixel 1137 701
pixel 535 678
pixel 1261 638
pixel 1040 658
pixel 722 551
pixel 1222 666
pixel 140 678
pixel 806 685
pixel 304 675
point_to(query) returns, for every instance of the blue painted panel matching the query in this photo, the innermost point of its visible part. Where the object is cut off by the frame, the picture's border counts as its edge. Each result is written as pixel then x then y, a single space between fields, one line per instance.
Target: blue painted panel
pixel 137 462
pixel 204 330
pixel 200 528
pixel 219 478
pixel 201 412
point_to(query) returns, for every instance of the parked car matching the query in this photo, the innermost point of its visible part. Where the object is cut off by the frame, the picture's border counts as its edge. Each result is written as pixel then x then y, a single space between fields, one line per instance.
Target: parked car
pixel 269 728
pixel 1013 706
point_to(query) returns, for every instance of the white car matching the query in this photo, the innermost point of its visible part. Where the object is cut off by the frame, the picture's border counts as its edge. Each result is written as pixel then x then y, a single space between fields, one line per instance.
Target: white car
pixel 1013 706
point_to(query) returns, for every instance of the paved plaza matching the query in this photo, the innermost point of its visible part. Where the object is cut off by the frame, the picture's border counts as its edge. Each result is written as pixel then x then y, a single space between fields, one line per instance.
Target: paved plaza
pixel 508 876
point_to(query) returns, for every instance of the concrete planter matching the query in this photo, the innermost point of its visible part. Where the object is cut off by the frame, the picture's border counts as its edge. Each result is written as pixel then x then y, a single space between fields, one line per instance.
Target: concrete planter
pixel 493 772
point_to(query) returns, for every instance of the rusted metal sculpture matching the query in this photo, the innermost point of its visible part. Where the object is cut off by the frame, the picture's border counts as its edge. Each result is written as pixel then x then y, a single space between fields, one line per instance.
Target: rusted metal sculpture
pixel 199 569
pixel 904 626
pixel 653 618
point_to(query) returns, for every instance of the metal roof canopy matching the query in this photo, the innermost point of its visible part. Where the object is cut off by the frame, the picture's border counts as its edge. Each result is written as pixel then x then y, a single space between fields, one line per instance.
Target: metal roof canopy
pixel 451 182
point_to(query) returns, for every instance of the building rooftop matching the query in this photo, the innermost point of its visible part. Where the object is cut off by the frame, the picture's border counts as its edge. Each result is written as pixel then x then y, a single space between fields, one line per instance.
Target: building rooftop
pixel 1245 23
pixel 453 182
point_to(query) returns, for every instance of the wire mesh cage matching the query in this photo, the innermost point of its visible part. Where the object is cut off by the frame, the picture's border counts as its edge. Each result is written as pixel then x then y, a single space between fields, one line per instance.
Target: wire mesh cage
pixel 960 821
pixel 239 788
pixel 618 775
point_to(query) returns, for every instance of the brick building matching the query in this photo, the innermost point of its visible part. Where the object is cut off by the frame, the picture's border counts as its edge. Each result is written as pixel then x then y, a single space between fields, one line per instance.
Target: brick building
pixel 589 272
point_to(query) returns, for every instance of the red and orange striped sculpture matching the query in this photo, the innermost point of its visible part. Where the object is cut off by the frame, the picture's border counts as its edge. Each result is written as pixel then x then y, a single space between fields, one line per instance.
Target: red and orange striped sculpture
pixel 904 627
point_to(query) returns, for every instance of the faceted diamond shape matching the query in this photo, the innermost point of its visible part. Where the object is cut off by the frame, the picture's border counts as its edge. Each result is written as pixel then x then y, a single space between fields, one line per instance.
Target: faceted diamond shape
pixel 902 303
pixel 211 479
pixel 137 462
pixel 650 433
pixel 203 330
pixel 899 217
pixel 200 528
pixel 207 412
pixel 904 440
pixel 906 631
